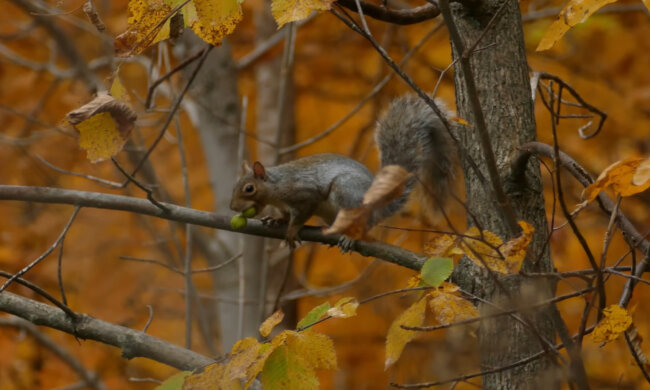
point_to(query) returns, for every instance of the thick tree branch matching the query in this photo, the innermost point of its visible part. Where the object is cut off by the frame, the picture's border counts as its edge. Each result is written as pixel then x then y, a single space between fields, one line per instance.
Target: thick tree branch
pixel 133 343
pixel 395 16
pixel 173 212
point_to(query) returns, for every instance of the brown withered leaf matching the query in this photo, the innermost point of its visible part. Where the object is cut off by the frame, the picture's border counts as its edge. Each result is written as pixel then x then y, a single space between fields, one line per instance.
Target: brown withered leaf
pixel 387 185
pixel 351 222
pixel 104 125
pixel 270 323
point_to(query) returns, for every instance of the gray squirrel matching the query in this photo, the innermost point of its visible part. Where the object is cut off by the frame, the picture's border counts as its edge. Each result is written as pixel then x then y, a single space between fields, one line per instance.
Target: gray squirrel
pixel 409 134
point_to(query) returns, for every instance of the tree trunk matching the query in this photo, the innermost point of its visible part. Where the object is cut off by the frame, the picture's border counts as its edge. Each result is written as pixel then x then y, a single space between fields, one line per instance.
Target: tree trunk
pixel 500 72
pixel 237 284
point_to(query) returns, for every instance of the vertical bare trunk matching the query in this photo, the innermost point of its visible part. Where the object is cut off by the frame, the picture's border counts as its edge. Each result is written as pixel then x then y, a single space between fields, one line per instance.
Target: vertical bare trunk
pixel 500 71
pixel 217 120
pixel 268 72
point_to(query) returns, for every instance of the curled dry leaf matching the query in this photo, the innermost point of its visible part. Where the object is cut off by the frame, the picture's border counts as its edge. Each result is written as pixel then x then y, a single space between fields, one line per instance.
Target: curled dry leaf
pixel 622 177
pixel 344 308
pixel 576 12
pixel 270 323
pixel 104 125
pixel 351 222
pixel 387 185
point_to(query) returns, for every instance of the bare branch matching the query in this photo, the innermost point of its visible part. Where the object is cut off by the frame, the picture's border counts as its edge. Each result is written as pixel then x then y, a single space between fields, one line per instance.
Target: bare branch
pixel 173 212
pixel 132 342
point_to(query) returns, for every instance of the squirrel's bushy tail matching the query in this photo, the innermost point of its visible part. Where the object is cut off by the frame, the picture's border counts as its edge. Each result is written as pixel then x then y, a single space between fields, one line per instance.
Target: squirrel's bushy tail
pixel 411 135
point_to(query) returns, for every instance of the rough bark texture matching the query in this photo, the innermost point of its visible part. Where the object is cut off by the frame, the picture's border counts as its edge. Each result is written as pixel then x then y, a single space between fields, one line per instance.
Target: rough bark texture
pixel 501 74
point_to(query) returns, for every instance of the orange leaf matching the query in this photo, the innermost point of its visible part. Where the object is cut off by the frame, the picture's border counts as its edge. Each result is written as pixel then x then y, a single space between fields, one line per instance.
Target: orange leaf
pixel 620 176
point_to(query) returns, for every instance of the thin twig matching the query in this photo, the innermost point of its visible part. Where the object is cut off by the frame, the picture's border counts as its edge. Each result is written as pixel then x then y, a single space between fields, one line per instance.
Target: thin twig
pixel 56 243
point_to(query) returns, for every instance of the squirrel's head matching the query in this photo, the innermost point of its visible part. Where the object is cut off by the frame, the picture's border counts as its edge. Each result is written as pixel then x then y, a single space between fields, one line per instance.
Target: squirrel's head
pixel 250 190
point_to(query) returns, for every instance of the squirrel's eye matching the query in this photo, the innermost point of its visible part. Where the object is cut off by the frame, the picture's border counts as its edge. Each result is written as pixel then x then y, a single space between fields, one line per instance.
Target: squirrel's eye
pixel 249 189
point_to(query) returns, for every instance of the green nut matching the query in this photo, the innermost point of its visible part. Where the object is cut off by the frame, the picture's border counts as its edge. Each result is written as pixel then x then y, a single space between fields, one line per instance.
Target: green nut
pixel 249 212
pixel 238 222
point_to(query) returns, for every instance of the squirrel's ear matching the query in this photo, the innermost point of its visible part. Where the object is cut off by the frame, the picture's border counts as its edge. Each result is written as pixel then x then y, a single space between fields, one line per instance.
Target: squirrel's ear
pixel 258 171
pixel 245 167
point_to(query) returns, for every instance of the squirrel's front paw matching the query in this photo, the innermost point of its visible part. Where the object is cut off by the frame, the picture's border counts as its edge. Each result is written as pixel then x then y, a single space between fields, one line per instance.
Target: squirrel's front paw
pixel 272 222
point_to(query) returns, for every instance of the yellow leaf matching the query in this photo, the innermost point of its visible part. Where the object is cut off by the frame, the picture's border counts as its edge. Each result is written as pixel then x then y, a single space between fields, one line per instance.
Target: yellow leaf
pixel 146 26
pixel 216 19
pixel 449 307
pixel 316 348
pixel 414 281
pixel 104 125
pixel 482 250
pixel 212 377
pixel 616 321
pixel 398 337
pixel 440 246
pixel 576 12
pixel 620 176
pixel 286 370
pixel 515 249
pixel 285 11
pixel 270 323
pixel 344 308
pixel 118 91
pixel 647 4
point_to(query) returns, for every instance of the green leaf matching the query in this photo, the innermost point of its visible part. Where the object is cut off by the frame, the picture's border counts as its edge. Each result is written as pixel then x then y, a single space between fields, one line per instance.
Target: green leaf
pixel 174 382
pixel 286 370
pixel 436 270
pixel 314 315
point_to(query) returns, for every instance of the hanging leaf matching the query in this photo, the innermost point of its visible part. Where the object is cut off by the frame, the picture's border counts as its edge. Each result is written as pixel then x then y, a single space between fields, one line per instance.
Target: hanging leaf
pixel 104 125
pixel 623 177
pixel 270 323
pixel 147 26
pixel 285 11
pixel 215 19
pixel 398 337
pixel 576 12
